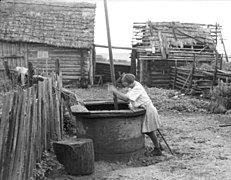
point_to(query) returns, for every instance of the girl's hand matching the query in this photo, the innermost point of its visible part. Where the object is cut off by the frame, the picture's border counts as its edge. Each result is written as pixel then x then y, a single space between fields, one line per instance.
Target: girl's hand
pixel 112 88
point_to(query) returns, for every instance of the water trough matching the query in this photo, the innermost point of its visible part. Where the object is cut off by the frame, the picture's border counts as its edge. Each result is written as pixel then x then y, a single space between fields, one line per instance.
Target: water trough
pixel 116 134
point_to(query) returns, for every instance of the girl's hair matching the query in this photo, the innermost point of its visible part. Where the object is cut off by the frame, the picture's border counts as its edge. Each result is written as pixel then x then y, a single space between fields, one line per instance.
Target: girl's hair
pixel 129 78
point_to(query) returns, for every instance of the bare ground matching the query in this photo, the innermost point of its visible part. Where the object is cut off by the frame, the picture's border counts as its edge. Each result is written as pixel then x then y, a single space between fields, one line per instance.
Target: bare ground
pixel 202 151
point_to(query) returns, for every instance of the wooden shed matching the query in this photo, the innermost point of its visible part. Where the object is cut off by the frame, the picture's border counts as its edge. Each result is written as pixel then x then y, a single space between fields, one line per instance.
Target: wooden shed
pixel 42 31
pixel 161 45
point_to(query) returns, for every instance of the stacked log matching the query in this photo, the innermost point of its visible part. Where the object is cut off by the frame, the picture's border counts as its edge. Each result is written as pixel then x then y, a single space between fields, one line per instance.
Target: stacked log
pixel 199 81
pixel 191 81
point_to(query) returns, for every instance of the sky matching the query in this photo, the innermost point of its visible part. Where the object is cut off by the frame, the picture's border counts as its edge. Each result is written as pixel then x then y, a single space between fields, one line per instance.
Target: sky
pixel 123 13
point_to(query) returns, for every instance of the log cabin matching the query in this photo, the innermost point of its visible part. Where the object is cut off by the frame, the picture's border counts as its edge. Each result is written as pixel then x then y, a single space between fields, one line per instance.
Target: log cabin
pixel 161 45
pixel 42 31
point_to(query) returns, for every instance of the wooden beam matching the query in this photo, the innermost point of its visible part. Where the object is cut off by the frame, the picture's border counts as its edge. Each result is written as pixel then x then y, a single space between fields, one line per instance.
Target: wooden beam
pixel 133 62
pixel 91 67
pixel 110 54
pixel 117 47
pixel 57 66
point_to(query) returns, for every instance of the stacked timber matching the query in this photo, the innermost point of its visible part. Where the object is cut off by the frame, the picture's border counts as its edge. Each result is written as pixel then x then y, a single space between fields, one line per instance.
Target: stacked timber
pixel 191 81
pixel 198 80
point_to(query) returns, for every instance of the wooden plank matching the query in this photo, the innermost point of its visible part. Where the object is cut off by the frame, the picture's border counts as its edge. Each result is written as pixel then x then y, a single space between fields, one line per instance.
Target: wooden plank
pixel 160 81
pixel 3 132
pixel 33 135
pixel 45 113
pixel 21 167
pixel 39 123
pixel 57 108
pixel 28 135
pixel 91 66
pixel 48 112
pixel 51 109
pixel 57 66
pixel 175 75
pixel 60 85
pixel 10 139
pixel 54 119
pixel 17 137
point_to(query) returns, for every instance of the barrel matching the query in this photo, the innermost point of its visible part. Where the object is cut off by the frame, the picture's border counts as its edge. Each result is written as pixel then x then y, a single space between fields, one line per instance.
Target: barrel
pixel 116 134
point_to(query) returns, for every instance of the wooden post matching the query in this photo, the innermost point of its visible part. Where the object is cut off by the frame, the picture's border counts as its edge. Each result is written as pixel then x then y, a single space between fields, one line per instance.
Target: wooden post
pixel 91 67
pixel 141 71
pixel 193 69
pixel 7 70
pixel 221 61
pixel 216 33
pixel 30 74
pixel 175 75
pixel 94 61
pixel 57 67
pixel 226 56
pixel 133 62
pixel 82 64
pixel 163 54
pixel 46 66
pixel 110 54
pixel 215 72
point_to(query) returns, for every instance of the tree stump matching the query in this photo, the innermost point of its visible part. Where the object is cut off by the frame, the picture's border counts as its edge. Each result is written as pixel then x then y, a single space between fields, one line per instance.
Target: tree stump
pixel 77 155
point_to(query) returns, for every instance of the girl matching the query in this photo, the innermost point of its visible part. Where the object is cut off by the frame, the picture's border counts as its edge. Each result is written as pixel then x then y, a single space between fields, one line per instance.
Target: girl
pixel 137 97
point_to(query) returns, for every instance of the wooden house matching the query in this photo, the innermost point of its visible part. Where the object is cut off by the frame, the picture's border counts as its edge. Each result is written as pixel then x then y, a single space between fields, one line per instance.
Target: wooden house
pixel 43 31
pixel 159 45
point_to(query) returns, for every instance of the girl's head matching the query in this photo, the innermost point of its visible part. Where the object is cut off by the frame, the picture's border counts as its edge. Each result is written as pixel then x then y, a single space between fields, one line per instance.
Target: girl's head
pixel 128 79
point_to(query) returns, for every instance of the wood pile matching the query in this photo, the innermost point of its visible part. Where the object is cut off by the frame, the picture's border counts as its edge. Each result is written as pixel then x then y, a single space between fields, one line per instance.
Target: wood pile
pixel 190 80
pixel 31 119
pixel 197 80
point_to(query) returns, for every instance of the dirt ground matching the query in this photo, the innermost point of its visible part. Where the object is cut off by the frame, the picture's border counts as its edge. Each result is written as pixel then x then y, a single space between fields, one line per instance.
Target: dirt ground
pixel 202 151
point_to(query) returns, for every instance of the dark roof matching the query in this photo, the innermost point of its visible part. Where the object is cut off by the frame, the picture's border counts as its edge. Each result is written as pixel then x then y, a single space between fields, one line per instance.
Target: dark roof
pixel 54 23
pixel 176 33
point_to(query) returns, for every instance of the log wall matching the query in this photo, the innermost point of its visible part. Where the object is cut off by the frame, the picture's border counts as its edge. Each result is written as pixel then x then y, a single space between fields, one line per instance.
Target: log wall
pixel 156 73
pixel 74 63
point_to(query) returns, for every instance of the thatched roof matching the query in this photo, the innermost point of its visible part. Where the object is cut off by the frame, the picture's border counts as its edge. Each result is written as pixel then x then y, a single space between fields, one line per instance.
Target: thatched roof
pixel 52 23
pixel 175 33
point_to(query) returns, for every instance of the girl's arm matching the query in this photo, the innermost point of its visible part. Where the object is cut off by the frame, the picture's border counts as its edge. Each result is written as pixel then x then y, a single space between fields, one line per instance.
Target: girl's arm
pixel 118 93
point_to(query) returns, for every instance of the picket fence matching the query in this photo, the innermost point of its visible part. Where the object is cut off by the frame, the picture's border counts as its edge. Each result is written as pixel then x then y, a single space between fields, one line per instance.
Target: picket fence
pixel 31 120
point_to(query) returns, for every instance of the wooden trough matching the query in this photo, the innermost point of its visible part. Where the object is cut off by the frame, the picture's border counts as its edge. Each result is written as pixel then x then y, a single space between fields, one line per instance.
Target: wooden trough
pixel 116 134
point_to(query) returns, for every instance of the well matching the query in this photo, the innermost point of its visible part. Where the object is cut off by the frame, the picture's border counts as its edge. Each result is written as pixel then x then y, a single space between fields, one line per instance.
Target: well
pixel 116 134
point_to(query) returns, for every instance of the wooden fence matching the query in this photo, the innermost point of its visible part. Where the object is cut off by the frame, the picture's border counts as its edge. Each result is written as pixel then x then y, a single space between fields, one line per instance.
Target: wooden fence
pixel 31 119
pixel 195 80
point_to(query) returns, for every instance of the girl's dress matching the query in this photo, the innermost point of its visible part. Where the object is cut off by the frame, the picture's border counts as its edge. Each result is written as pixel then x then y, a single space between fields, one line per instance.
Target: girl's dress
pixel 139 98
